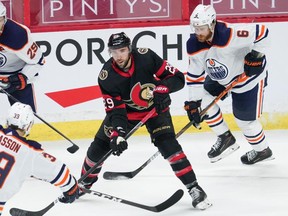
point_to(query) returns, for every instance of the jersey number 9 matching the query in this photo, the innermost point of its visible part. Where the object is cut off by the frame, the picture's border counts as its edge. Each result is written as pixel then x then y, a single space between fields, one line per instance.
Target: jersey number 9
pixel 108 103
pixel 6 163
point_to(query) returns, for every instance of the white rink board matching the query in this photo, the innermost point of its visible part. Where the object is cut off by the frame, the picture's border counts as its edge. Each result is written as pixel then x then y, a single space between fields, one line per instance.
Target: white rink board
pixel 57 77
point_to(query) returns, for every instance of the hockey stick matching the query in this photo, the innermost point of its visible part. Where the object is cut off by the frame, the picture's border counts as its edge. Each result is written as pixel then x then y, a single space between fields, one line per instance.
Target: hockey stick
pixel 128 175
pixel 72 149
pixel 21 212
pixel 157 208
pixel 136 127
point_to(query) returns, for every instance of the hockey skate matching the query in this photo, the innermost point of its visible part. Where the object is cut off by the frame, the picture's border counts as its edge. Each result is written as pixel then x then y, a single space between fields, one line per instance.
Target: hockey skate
pixel 199 198
pixel 86 183
pixel 224 146
pixel 253 156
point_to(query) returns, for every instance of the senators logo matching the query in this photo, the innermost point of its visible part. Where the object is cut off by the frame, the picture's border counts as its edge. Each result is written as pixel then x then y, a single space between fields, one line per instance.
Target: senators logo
pixel 141 96
pixel 103 74
pixel 108 130
pixel 142 50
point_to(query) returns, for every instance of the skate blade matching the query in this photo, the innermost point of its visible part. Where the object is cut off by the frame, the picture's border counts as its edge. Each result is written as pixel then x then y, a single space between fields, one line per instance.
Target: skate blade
pixel 224 154
pixel 205 204
pixel 267 159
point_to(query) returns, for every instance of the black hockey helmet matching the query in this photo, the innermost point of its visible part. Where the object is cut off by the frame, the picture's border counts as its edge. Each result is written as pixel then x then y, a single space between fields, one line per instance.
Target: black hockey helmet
pixel 119 40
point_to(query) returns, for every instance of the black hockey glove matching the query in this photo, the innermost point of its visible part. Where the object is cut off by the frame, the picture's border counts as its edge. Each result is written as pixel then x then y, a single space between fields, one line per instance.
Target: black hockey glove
pixel 253 64
pixel 193 109
pixel 118 144
pixel 15 82
pixel 161 98
pixel 71 195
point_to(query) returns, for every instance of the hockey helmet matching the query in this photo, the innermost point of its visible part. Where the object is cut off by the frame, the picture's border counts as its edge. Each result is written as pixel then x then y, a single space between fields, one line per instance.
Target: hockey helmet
pixel 119 40
pixel 203 15
pixel 21 117
pixel 2 9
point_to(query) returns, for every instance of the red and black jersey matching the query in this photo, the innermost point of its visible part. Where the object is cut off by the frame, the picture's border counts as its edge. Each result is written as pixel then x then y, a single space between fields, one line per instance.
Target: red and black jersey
pixel 128 95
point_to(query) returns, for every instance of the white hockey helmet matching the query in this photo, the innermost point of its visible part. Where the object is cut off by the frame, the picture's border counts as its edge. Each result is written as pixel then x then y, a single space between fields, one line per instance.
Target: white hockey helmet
pixel 203 15
pixel 2 9
pixel 21 117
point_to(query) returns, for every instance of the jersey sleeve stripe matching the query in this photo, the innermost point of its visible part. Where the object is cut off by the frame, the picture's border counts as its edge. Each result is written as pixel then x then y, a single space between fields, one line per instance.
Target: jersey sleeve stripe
pixel 59 174
pixel 192 79
pixel 161 69
pixel 64 179
pixel 261 32
pixel 199 80
pixel 68 182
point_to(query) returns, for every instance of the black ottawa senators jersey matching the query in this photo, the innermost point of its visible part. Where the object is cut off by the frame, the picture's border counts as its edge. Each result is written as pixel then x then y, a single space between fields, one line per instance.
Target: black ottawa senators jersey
pixel 130 93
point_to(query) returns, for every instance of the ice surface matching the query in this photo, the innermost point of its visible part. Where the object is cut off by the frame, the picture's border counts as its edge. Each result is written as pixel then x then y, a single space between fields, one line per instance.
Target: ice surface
pixel 233 188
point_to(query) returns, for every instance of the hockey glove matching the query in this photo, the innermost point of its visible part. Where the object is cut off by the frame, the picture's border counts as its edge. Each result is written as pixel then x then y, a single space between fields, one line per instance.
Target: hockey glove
pixel 71 195
pixel 254 64
pixel 161 98
pixel 193 109
pixel 118 144
pixel 15 82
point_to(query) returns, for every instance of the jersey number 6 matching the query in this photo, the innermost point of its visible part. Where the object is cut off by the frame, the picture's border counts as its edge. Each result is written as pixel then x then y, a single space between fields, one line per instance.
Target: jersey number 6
pixel 242 33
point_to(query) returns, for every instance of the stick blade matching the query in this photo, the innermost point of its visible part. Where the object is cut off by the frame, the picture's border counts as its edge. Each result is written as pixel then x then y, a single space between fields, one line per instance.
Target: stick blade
pixel 22 212
pixel 73 149
pixel 170 201
pixel 17 212
pixel 118 175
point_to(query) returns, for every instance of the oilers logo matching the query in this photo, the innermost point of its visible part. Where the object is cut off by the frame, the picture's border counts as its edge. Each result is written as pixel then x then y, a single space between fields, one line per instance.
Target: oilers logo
pixel 3 60
pixel 216 70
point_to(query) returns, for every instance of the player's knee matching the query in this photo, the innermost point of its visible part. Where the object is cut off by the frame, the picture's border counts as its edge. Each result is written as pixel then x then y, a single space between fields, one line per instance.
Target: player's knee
pixel 167 144
pixel 248 126
pixel 97 149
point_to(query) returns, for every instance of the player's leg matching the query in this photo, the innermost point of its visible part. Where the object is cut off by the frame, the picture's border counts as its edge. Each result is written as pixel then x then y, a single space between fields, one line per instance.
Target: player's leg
pixel 163 136
pixel 247 109
pixel 226 142
pixel 97 149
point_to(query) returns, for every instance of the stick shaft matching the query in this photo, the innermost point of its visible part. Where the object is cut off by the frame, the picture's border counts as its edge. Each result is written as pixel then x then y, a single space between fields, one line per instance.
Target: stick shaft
pixel 41 119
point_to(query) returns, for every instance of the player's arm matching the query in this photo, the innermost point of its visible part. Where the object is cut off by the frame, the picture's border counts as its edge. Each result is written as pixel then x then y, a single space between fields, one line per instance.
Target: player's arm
pixel 195 81
pixel 255 60
pixel 33 56
pixel 168 75
pixel 27 50
pixel 47 168
pixel 117 114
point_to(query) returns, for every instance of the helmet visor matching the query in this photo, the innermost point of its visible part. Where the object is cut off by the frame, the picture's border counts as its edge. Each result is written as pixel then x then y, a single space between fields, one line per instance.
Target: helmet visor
pixel 200 29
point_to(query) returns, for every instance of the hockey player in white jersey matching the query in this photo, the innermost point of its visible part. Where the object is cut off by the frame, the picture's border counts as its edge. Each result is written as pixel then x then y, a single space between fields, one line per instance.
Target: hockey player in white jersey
pixel 21 158
pixel 218 53
pixel 20 60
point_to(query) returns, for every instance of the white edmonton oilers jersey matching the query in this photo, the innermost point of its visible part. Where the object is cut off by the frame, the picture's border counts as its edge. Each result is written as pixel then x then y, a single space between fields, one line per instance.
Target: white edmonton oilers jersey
pixel 21 158
pixel 18 51
pixel 223 58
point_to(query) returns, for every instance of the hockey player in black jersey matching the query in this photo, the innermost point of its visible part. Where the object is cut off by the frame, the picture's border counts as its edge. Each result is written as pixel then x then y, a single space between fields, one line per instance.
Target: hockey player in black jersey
pixel 133 82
